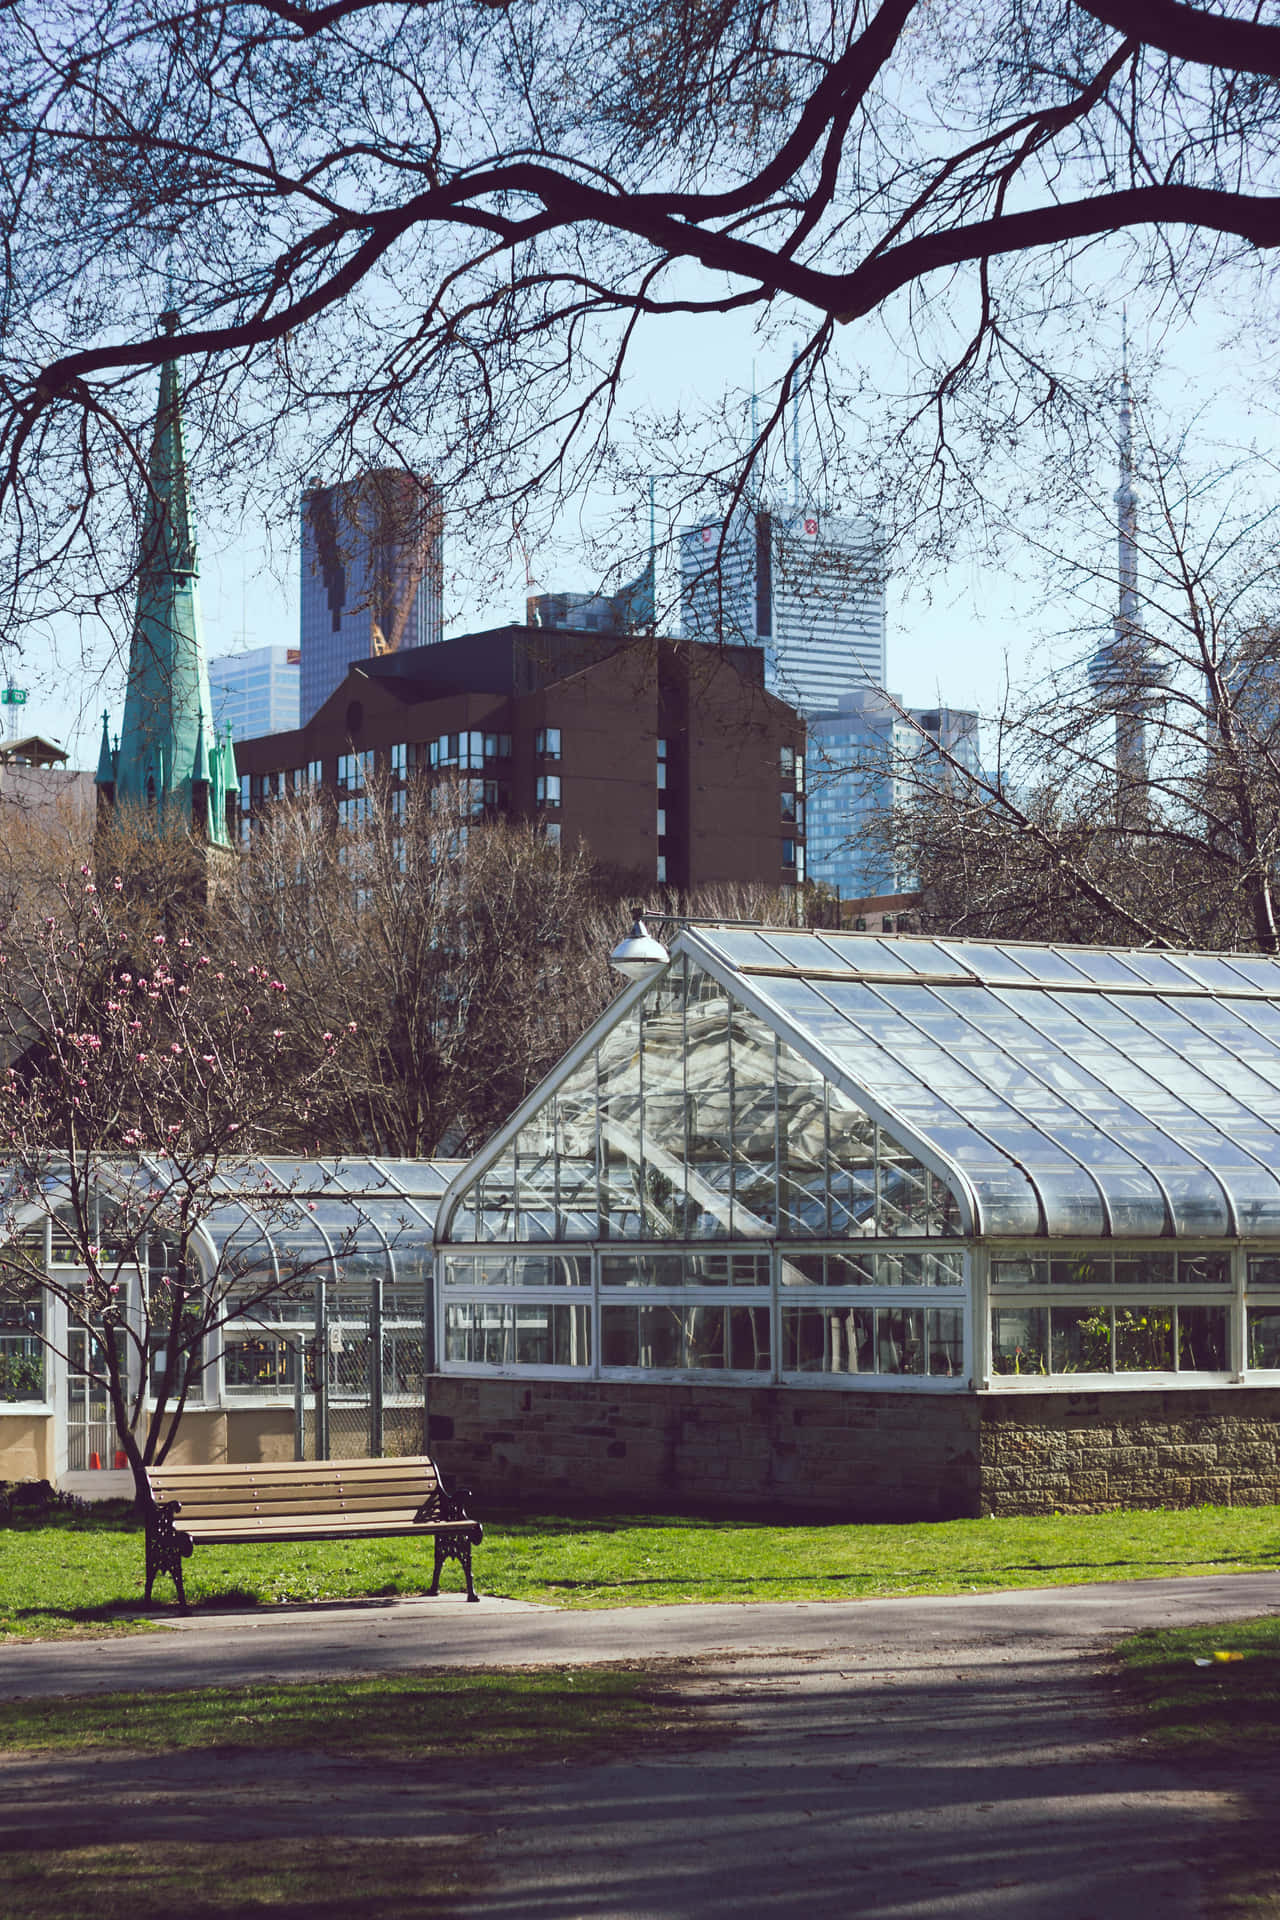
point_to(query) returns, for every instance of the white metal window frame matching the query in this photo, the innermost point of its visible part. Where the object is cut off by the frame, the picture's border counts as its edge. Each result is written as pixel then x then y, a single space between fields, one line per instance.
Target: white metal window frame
pixel 1235 1298
pixel 773 1296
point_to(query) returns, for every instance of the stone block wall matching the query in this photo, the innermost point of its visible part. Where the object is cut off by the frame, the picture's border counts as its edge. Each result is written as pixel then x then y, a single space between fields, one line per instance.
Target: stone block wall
pixel 854 1456
pixel 1086 1452
pixel 713 1449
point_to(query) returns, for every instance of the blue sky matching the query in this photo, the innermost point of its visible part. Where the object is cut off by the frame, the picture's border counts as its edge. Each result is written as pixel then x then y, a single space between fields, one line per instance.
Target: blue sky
pixel 955 628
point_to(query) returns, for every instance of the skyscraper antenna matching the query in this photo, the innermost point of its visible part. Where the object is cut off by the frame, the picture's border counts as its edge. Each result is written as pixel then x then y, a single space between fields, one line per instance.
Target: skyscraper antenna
pixel 795 429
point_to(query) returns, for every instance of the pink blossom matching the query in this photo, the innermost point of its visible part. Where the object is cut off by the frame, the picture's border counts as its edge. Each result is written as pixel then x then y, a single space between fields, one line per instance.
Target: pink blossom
pixel 277 986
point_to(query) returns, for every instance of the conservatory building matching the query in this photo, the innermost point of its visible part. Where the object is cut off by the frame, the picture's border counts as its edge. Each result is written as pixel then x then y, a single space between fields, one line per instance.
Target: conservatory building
pixel 815 1223
pixel 322 1276
pixel 845 1223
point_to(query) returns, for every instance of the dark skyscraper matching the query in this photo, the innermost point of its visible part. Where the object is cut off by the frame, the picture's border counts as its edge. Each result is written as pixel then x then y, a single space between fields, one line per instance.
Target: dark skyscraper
pixel 372 574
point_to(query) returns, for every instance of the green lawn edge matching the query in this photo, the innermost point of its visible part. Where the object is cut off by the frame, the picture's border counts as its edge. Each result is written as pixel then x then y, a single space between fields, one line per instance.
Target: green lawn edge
pixel 86 1576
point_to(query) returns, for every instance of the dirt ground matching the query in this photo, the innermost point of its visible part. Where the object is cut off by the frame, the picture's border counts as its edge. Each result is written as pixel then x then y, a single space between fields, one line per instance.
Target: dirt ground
pixel 974 1774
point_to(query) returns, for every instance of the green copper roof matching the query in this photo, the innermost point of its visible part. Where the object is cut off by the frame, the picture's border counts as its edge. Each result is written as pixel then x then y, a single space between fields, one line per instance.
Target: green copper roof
pixel 106 774
pixel 167 743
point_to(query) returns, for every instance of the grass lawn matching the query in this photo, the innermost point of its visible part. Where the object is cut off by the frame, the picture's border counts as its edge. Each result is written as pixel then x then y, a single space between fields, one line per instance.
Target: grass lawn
pixel 553 1714
pixel 282 1879
pixel 67 1578
pixel 1220 1722
pixel 1223 1710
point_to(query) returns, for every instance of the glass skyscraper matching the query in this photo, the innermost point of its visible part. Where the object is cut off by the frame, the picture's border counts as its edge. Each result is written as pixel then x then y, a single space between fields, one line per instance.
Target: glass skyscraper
pixel 808 587
pixel 257 692
pixel 865 759
pixel 372 574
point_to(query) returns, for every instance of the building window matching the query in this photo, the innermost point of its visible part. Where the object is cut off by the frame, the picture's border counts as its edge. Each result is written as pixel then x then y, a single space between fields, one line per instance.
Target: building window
pixel 662 749
pixel 315 773
pixel 353 770
pixel 788 806
pixel 546 743
pixel 662 823
pixel 1104 1312
pixel 662 868
pixel 548 790
pixel 497 746
pixel 799 773
pixel 662 776
pixel 398 761
pixel 551 833
pixel 787 762
pixel 788 853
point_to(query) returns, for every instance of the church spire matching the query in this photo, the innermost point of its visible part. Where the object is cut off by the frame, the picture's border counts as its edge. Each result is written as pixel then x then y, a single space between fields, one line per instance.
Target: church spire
pixel 167 736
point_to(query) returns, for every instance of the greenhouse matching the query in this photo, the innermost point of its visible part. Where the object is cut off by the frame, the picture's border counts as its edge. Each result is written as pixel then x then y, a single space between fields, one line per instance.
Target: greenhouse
pixel 804 1155
pixel 814 1222
pixel 825 1163
pixel 323 1269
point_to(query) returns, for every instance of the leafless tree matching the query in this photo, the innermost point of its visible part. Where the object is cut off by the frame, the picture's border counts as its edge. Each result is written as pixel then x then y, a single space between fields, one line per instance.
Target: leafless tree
pixel 405 227
pixel 1135 792
pixel 466 953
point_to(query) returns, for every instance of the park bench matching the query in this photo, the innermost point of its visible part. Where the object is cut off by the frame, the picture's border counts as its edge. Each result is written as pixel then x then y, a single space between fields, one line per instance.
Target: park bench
pixel 305 1500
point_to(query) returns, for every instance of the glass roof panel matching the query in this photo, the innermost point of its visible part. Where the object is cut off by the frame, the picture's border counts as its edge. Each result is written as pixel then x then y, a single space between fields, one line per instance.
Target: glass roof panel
pixel 860 953
pixel 1210 971
pixel 864 953
pixel 1258 970
pixel 1048 966
pixel 923 957
pixel 1158 969
pixel 1105 969
pixel 989 962
pixel 1199 1204
pixel 1072 1203
pixel 801 949
pixel 740 947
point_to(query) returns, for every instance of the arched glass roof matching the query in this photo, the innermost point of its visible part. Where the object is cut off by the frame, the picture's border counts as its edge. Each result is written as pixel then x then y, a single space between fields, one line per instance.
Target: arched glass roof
pixel 288 1213
pixel 1078 1090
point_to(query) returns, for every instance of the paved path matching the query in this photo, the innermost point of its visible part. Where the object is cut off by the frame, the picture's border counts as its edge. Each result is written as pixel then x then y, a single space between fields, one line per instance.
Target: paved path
pixel 901 1760
pixel 301 1643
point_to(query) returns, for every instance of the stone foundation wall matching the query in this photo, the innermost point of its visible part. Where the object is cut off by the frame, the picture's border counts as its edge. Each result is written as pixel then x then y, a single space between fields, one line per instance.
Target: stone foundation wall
pixel 782 1450
pixel 1085 1452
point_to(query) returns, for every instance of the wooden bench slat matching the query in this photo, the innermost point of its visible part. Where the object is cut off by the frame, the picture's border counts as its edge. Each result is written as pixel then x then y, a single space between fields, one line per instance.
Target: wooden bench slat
pixel 411 1465
pixel 347 1495
pixel 233 1510
pixel 269 1528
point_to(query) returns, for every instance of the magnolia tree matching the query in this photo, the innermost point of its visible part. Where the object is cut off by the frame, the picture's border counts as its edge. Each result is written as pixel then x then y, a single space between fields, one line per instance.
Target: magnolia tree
pixel 142 1078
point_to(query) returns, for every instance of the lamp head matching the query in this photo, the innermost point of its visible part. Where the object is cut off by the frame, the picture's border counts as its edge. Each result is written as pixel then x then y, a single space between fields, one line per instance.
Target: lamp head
pixel 639 953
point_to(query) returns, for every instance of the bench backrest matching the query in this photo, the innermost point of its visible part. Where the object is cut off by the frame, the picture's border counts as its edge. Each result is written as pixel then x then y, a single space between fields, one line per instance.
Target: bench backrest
pixel 297 1487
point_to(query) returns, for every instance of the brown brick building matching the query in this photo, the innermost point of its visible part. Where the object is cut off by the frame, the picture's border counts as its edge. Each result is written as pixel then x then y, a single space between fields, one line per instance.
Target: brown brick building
pixel 668 758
